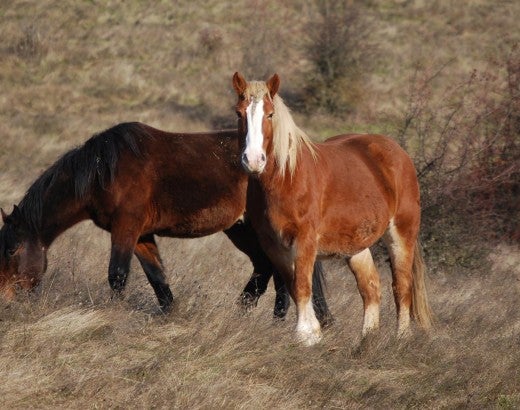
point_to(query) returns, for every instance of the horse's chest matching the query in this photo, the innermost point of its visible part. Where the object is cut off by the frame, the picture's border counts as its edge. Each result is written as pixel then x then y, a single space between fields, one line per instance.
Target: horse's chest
pixel 279 242
pixel 278 227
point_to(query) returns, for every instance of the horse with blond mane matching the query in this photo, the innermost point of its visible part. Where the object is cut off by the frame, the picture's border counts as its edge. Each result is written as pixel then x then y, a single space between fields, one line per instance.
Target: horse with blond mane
pixel 313 200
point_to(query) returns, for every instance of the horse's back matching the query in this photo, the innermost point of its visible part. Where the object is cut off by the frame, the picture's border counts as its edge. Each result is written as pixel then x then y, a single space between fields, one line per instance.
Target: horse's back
pixel 368 178
pixel 371 145
pixel 188 184
pixel 369 154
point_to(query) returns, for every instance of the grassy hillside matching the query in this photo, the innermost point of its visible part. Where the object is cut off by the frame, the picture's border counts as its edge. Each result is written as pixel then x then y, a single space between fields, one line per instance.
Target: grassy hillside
pixel 424 72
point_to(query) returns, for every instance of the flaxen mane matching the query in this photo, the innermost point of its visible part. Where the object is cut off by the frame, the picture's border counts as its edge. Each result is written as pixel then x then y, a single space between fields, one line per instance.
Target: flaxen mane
pixel 288 138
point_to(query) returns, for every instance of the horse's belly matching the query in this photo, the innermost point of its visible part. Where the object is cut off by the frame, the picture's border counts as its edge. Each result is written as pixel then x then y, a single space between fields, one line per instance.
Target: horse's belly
pixel 339 250
pixel 349 237
pixel 197 223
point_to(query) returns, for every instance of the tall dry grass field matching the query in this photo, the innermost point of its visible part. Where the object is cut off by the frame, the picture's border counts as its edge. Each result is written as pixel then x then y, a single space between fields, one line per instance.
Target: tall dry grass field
pixel 69 69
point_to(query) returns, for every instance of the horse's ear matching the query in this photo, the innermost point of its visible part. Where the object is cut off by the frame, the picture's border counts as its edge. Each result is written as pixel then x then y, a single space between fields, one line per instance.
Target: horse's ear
pixel 16 216
pixel 13 218
pixel 239 83
pixel 273 84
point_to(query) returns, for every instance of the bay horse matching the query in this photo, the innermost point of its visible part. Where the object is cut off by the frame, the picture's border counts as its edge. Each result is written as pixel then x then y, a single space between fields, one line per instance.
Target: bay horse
pixel 337 198
pixel 135 182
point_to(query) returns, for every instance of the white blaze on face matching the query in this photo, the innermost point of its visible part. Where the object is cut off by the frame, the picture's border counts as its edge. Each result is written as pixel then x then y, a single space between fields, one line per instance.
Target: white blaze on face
pixel 253 157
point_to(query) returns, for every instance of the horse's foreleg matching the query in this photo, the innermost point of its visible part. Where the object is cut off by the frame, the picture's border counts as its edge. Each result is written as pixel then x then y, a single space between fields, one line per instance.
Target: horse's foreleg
pixel 123 243
pixel 321 309
pixel 308 328
pixel 119 267
pixel 368 282
pixel 148 254
pixel 244 238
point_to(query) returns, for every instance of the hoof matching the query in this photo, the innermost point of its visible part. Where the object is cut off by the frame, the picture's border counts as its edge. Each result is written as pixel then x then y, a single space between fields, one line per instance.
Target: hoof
pixel 117 295
pixel 279 316
pixel 165 298
pixel 404 334
pixel 166 307
pixel 309 338
pixel 326 321
pixel 247 302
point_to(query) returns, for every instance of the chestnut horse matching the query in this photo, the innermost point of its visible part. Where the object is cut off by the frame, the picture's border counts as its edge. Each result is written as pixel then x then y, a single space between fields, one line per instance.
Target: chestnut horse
pixel 308 200
pixel 135 182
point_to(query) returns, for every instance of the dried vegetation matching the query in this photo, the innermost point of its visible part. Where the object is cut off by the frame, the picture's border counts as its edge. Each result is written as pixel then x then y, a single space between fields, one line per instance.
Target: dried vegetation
pixel 440 76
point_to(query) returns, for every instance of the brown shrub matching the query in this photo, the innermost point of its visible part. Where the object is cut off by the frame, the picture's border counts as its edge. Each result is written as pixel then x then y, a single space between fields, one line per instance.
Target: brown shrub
pixel 337 51
pixel 466 150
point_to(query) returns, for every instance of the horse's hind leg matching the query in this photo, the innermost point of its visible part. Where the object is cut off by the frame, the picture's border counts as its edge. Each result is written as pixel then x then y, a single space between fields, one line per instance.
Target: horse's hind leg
pixel 282 300
pixel 401 250
pixel 148 254
pixel 244 238
pixel 367 278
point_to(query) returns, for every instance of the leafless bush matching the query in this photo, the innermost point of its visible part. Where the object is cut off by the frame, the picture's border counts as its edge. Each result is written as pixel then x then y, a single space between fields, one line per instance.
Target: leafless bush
pixel 260 35
pixel 466 150
pixel 337 50
pixel 497 163
pixel 210 40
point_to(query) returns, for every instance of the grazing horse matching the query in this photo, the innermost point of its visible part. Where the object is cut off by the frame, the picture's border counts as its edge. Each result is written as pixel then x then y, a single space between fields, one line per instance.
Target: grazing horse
pixel 308 200
pixel 135 182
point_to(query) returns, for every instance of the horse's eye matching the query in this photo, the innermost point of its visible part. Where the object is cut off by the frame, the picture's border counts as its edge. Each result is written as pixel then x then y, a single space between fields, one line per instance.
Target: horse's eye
pixel 270 115
pixel 239 114
pixel 15 249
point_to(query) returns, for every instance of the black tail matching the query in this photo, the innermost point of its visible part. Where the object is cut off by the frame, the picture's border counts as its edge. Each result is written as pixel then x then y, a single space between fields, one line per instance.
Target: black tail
pixel 318 297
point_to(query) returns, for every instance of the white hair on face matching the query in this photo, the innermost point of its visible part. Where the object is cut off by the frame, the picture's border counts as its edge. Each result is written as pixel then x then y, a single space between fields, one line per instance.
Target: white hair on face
pixel 288 138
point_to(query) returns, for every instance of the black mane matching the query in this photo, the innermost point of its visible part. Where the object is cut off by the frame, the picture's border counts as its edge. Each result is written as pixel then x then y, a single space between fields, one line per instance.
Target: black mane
pixel 93 162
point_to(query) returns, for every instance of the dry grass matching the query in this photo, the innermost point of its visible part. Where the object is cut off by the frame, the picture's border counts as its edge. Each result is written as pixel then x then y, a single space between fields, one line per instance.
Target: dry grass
pixel 70 69
pixel 70 345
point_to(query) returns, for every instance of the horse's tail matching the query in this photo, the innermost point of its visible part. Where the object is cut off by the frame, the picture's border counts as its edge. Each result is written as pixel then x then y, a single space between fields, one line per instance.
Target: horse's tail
pixel 318 295
pixel 421 310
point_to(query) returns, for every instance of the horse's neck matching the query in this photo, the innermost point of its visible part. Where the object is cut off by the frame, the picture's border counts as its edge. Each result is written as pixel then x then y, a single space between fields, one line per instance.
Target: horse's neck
pixel 60 211
pixel 278 188
pixel 273 183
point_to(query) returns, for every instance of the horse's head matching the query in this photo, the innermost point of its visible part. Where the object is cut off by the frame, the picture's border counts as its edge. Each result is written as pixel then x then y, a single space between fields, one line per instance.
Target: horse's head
pixel 23 258
pixel 255 109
